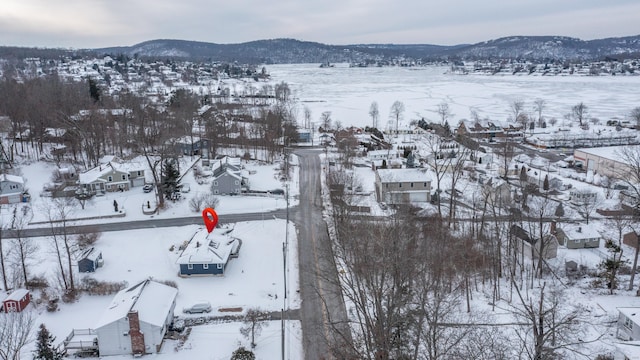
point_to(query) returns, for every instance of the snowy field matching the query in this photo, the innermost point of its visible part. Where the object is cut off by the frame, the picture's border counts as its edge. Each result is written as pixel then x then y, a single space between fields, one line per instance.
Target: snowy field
pixel 348 93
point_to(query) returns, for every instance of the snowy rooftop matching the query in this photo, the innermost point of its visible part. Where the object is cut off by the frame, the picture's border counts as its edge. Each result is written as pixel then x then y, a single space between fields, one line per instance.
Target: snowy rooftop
pixel 149 298
pixel 580 231
pixel 403 175
pixel 17 294
pixel 12 178
pixel 607 152
pixel 207 248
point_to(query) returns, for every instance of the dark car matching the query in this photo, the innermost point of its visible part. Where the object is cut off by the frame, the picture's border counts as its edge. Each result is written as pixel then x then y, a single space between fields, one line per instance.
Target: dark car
pixel 147 188
pixel 277 192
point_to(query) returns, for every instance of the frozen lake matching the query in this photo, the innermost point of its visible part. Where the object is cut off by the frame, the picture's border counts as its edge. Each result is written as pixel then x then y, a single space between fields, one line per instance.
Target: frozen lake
pixel 349 92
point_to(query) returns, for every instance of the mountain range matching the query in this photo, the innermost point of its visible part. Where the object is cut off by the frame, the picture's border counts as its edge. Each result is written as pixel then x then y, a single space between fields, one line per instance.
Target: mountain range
pixel 540 48
pixel 278 51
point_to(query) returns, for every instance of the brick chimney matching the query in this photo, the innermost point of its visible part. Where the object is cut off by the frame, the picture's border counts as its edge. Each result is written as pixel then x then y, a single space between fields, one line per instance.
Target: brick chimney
pixel 553 229
pixel 136 336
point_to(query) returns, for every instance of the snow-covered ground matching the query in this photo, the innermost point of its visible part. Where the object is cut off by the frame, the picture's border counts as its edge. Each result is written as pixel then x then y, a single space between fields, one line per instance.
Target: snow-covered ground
pixel 253 280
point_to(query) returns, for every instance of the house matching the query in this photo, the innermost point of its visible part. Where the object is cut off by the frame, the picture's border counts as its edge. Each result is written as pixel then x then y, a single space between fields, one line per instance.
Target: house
pixel 90 260
pixel 137 319
pixel 16 301
pixel 12 189
pixel 207 254
pixel 531 246
pixel 578 236
pixel 227 183
pixel 497 191
pixel 112 176
pixel 403 186
pixel 628 324
pixel 630 239
pixel 195 145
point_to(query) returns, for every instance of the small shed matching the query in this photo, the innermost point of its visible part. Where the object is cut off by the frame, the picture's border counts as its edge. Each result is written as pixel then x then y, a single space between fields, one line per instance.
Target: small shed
pixel 16 301
pixel 90 260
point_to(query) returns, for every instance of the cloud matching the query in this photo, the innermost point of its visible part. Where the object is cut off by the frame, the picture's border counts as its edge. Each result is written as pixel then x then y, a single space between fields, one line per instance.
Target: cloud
pixel 99 23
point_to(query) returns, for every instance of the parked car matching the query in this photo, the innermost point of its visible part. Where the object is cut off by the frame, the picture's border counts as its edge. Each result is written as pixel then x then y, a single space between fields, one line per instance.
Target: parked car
pixel 277 192
pixel 198 308
pixel 185 188
pixel 147 188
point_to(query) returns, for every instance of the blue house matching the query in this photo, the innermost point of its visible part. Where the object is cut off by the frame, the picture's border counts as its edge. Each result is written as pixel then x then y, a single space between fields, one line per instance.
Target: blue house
pixel 90 260
pixel 207 254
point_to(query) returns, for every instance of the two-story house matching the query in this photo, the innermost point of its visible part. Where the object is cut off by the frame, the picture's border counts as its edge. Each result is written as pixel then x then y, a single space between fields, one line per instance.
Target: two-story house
pixel 403 186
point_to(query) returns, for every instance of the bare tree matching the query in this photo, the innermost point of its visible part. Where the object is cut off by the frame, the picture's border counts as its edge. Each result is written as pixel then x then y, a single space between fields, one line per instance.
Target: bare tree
pixel 59 212
pixel 587 202
pixel 3 267
pixel 551 326
pixel 635 116
pixel 444 112
pixel 397 109
pixel 517 108
pixel 24 247
pixel 307 117
pixel 325 120
pixel 254 321
pixel 539 106
pixel 15 333
pixel 579 112
pixel 374 113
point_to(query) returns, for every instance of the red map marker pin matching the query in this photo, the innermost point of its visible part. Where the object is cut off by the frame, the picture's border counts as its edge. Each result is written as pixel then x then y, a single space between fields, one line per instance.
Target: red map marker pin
pixel 210 219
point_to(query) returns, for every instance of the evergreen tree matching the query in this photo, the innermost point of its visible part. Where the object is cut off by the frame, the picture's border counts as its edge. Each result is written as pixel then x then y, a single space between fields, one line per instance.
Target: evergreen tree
pixel 559 210
pixel 94 91
pixel 243 354
pixel 44 345
pixel 170 177
pixel 411 160
pixel 545 184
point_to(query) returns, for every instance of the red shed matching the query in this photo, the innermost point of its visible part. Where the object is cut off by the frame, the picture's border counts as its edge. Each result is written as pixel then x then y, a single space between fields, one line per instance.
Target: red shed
pixel 16 301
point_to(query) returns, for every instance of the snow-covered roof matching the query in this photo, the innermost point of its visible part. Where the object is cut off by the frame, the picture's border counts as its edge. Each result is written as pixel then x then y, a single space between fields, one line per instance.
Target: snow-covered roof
pixel 207 248
pixel 12 178
pixel 152 300
pixel 630 349
pixel 230 173
pixel 17 294
pixel 90 254
pixel 404 175
pixel 580 231
pixel 608 152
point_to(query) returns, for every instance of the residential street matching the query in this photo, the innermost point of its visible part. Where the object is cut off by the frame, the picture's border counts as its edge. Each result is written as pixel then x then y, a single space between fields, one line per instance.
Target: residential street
pixel 147 224
pixel 322 310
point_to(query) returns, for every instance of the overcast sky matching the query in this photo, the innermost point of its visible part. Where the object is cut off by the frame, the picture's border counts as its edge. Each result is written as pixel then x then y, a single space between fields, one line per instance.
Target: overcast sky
pixel 104 23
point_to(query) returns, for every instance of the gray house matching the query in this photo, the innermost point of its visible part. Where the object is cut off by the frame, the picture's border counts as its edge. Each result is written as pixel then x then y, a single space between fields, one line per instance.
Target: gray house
pixel 137 319
pixel 531 246
pixel 578 236
pixel 403 186
pixel 226 182
pixel 112 176
pixel 196 145
pixel 90 260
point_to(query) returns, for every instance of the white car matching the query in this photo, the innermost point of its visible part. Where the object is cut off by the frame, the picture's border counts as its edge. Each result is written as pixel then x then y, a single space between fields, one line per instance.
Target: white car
pixel 185 188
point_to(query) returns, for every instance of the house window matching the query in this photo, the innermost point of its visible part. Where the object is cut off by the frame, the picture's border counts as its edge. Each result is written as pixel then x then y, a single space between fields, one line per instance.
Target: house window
pixel 628 323
pixel 215 191
pixel 139 173
pixel 190 266
pixel 219 266
pixel 110 178
pixel 124 177
pixel 400 185
pixel 411 184
pixel 215 183
pixel 425 184
pixel 205 266
pixel 237 182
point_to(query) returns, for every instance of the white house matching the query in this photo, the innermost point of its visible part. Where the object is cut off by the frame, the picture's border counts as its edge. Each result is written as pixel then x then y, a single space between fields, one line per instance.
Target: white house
pixel 137 319
pixel 403 186
pixel 11 189
pixel 628 323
